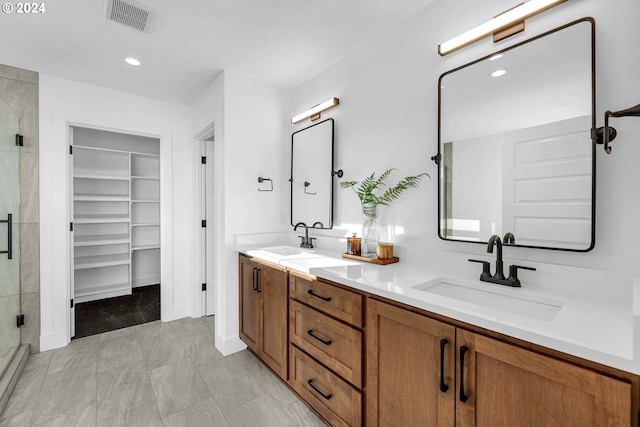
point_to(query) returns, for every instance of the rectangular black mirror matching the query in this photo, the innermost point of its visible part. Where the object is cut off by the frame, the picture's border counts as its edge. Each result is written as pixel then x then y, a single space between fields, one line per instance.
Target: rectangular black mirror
pixel 514 143
pixel 312 175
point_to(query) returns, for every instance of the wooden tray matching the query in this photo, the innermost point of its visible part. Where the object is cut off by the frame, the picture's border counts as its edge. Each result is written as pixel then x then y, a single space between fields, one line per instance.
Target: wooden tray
pixel 373 259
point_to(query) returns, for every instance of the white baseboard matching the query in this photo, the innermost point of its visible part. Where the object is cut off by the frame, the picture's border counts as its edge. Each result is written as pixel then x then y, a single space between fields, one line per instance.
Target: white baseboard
pixel 48 342
pixel 228 346
pixel 181 312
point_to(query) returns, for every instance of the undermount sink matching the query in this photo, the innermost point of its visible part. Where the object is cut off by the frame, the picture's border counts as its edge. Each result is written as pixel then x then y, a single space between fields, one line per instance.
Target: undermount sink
pixel 284 252
pixel 533 307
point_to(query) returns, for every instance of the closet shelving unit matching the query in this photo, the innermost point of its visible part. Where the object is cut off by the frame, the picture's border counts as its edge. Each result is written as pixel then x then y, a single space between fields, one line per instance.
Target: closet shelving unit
pixel 116 213
pixel 145 215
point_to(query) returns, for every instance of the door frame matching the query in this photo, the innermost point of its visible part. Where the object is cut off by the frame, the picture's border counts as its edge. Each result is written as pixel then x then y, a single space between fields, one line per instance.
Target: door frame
pixel 204 302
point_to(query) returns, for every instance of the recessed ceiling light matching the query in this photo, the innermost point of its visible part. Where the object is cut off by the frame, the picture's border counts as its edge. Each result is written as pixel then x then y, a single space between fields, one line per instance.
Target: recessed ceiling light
pixel 494 57
pixel 132 61
pixel 498 73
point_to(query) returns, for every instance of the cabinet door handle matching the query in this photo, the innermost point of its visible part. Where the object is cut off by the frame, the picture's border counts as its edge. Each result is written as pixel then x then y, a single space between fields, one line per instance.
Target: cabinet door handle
pixel 326 396
pixel 327 342
pixel 463 396
pixel 258 280
pixel 9 222
pixel 443 386
pixel 255 280
pixel 310 292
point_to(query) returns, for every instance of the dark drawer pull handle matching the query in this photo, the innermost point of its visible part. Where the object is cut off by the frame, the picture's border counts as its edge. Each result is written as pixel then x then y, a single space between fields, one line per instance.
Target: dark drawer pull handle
pixel 258 280
pixel 463 396
pixel 310 292
pixel 255 280
pixel 443 386
pixel 310 332
pixel 326 396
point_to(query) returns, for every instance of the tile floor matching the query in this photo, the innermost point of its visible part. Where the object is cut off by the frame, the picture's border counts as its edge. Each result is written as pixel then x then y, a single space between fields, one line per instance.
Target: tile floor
pixel 154 374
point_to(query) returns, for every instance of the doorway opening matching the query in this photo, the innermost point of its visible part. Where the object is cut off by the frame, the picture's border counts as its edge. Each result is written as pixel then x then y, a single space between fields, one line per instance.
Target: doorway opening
pixel 115 230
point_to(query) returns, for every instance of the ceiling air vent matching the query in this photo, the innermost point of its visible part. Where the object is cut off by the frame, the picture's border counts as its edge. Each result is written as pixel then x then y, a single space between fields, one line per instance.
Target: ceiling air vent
pixel 130 13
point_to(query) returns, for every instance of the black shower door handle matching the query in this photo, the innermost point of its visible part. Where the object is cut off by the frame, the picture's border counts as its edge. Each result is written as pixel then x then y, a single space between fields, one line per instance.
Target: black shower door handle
pixel 9 222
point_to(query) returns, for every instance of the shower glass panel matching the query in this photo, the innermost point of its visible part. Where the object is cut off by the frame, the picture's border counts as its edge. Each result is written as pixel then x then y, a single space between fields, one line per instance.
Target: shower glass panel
pixel 9 233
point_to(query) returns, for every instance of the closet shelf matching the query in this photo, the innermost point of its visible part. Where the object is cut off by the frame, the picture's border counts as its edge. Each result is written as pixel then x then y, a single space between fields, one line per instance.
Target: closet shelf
pixel 101 197
pixel 100 218
pixel 145 201
pixel 146 224
pixel 146 247
pixel 148 178
pixel 146 280
pixel 89 175
pixel 101 239
pixel 114 150
pixel 82 262
pixel 111 287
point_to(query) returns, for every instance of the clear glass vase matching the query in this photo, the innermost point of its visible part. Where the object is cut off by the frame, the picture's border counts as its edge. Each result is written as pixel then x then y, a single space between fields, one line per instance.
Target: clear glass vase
pixel 370 232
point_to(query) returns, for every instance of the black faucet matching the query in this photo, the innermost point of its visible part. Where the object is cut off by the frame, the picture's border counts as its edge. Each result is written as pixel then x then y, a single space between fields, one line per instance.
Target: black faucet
pixel 498 277
pixel 306 241
pixel 495 240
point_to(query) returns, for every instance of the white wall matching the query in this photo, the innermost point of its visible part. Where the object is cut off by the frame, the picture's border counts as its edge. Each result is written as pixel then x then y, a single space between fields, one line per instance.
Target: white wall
pixel 388 118
pixel 64 102
pixel 251 141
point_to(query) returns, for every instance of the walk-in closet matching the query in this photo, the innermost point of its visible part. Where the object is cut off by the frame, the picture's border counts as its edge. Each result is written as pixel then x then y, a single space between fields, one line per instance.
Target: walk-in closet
pixel 115 227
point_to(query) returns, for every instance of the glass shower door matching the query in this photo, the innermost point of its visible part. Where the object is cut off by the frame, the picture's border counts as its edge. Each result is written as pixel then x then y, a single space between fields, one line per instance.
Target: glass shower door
pixel 9 233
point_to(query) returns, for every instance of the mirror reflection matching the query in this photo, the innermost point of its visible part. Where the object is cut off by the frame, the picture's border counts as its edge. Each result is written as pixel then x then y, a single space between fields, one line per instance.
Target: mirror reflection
pixel 311 175
pixel 515 147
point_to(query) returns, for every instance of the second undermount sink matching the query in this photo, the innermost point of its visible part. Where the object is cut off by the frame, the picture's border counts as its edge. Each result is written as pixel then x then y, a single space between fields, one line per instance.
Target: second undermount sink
pixel 509 300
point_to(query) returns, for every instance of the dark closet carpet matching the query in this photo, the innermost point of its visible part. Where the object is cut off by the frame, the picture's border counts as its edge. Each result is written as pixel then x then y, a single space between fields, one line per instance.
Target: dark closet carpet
pixel 96 317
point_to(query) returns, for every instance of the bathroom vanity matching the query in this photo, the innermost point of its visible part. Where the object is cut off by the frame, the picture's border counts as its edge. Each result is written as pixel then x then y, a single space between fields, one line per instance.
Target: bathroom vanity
pixel 361 353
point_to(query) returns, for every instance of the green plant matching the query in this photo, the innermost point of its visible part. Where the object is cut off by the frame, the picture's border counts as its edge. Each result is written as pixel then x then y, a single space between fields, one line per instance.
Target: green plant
pixel 365 191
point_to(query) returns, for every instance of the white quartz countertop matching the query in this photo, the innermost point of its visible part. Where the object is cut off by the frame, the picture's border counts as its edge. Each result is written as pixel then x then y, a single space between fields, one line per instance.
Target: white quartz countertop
pixel 582 327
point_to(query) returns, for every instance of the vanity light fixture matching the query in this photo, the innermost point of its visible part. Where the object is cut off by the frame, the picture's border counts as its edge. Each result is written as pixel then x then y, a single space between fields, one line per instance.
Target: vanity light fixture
pixel 313 113
pixel 132 61
pixel 606 134
pixel 501 26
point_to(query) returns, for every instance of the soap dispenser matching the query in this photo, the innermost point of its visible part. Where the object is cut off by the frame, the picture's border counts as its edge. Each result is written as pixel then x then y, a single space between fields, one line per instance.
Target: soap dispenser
pixel 354 245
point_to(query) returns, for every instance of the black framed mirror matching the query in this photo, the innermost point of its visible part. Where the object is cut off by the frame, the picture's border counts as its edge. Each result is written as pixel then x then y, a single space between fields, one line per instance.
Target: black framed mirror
pixel 515 150
pixel 312 175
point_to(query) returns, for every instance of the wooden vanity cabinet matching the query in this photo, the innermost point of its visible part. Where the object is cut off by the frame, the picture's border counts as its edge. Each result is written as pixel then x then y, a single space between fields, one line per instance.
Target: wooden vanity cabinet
pixel 263 312
pixel 506 385
pixel 473 380
pixel 404 362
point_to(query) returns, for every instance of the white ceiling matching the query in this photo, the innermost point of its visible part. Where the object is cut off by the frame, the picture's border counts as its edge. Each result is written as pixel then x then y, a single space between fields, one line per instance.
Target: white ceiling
pixel 279 42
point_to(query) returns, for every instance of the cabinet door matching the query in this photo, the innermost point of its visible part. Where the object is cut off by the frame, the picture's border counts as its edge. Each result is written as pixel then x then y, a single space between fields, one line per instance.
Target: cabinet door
pixel 250 310
pixel 507 386
pixel 404 365
pixel 272 286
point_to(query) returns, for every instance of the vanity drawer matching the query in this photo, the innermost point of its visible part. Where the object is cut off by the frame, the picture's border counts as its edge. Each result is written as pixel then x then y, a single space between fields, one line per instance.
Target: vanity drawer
pixel 337 302
pixel 336 400
pixel 336 345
